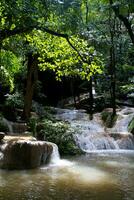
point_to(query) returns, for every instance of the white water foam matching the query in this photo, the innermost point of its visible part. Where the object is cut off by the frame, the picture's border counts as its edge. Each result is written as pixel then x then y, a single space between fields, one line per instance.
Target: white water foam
pixel 55 159
pixel 92 135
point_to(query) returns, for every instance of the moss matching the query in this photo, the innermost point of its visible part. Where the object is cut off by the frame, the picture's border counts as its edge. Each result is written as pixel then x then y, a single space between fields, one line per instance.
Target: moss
pixel 131 126
pixel 108 118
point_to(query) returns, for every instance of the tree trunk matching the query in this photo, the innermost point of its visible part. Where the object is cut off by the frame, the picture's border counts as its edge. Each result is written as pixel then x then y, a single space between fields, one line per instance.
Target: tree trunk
pixel 91 100
pixel 112 64
pixel 113 94
pixel 123 19
pixel 32 77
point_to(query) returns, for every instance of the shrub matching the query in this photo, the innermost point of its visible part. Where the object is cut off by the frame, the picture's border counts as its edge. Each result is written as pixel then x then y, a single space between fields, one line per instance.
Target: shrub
pixel 48 128
pixel 12 102
pixel 32 124
pixel 131 126
pixel 59 133
pixel 15 100
pixel 108 118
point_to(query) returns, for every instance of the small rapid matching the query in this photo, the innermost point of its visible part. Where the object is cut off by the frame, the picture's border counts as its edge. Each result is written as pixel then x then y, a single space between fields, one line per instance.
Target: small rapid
pixel 92 135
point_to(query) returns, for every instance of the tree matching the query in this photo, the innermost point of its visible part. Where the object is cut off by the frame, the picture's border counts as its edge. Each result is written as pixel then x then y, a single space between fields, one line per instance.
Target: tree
pixel 32 76
pixel 112 63
pixel 57 55
pixel 124 10
pixel 10 64
pixel 30 15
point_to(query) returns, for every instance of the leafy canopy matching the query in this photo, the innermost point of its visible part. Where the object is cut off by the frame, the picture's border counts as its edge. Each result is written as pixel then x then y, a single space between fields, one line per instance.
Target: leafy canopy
pixel 57 55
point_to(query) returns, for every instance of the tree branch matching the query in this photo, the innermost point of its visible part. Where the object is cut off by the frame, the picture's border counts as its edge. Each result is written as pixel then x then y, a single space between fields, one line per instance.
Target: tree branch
pixel 124 19
pixel 8 33
pixel 75 49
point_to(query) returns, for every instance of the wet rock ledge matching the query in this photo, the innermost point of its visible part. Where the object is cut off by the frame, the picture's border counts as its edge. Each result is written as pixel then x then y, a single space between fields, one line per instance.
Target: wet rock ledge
pixel 18 152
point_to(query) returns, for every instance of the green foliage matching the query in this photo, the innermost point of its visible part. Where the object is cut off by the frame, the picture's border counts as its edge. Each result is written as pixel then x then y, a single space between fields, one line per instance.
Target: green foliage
pixel 108 119
pixel 14 100
pixel 32 124
pixel 10 61
pixel 50 129
pixel 57 55
pixel 6 80
pixel 22 13
pixel 9 66
pixel 131 126
pixel 54 131
pixel 59 133
pixel 125 89
pixel 41 113
pixel 88 24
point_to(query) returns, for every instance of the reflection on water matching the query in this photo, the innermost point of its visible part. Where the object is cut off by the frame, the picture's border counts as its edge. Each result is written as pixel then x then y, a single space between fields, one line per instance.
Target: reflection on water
pixel 89 177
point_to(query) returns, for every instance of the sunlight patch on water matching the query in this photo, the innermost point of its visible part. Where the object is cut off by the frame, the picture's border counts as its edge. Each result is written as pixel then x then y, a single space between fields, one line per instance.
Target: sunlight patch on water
pixel 75 173
pixel 119 164
pixel 85 177
pixel 88 175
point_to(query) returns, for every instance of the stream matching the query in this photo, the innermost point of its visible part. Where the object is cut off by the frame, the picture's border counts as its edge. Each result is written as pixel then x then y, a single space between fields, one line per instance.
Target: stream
pixel 105 172
pixel 92 135
pixel 102 176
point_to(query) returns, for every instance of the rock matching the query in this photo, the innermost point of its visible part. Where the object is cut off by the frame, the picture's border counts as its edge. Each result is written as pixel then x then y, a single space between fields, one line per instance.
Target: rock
pixel 2 135
pixel 17 153
pixel 8 138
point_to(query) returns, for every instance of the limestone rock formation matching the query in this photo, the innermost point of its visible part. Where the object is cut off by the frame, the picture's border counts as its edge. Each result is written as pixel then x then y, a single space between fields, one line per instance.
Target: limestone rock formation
pixel 24 153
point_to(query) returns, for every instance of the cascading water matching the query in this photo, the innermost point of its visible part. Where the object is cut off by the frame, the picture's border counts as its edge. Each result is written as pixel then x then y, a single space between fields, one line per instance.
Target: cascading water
pixel 14 127
pixel 124 117
pixel 91 135
pixel 55 159
pixel 8 124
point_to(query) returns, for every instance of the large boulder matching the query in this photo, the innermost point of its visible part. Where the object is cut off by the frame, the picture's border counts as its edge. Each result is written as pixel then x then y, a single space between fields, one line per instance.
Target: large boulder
pixel 24 153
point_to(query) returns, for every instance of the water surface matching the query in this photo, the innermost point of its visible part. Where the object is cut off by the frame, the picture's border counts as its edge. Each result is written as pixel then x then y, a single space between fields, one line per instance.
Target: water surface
pixel 96 176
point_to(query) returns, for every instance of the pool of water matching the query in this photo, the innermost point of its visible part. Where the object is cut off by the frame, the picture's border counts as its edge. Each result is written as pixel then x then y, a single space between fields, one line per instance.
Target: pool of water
pixel 96 176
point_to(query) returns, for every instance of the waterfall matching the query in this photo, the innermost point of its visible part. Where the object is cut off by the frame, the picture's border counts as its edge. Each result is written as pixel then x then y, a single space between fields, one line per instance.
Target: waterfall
pixel 91 135
pixel 8 124
pixel 124 117
pixel 15 127
pixel 55 156
pixel 55 159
